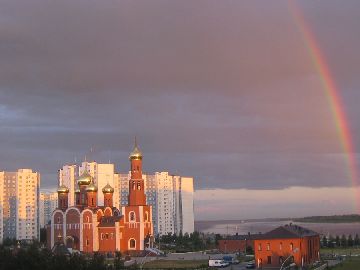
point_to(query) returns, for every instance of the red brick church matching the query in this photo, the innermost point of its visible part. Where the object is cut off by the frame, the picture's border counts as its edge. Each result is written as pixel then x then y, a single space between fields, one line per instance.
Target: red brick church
pixel 89 227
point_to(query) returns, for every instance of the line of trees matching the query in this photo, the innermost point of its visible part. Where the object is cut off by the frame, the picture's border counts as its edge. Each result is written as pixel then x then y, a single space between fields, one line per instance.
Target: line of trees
pixel 34 257
pixel 340 241
pixel 182 242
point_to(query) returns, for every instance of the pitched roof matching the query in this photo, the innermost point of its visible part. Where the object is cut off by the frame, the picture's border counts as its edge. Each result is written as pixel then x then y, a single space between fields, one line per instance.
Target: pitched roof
pixel 288 231
pixel 244 237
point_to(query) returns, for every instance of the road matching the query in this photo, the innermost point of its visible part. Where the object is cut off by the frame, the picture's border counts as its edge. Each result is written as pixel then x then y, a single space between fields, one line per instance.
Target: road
pixel 193 256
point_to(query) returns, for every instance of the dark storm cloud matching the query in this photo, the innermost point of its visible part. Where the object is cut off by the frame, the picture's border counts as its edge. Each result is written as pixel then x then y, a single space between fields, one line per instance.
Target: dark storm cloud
pixel 225 92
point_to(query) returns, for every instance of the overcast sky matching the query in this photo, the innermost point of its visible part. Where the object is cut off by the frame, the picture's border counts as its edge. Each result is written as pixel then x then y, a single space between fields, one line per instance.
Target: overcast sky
pixel 224 91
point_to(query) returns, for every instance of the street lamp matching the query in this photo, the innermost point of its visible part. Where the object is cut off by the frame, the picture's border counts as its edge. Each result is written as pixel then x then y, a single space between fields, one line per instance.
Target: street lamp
pixel 293 252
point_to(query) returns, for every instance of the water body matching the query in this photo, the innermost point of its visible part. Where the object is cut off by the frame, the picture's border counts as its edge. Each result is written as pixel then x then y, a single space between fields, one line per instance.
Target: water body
pixel 244 227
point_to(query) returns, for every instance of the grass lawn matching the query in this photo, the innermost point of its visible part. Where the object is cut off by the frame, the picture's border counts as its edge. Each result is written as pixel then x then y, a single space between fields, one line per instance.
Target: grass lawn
pixel 175 264
pixel 341 251
pixel 348 264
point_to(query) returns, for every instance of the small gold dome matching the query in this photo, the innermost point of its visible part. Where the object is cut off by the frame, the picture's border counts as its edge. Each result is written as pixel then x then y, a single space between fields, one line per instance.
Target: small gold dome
pixel 91 188
pixel 108 189
pixel 77 190
pixel 136 153
pixel 84 179
pixel 63 189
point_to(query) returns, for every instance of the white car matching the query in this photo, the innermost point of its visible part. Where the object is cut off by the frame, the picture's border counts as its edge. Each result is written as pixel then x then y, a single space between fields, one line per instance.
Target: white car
pixel 218 263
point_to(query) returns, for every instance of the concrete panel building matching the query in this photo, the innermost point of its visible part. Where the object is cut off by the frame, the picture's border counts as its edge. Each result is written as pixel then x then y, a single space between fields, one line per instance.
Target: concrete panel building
pixel 171 198
pixel 20 208
pixel 48 203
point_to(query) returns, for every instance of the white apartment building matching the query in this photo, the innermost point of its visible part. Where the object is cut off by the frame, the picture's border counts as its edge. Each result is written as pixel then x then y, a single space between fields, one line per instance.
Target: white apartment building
pixel 102 174
pixel 48 203
pixel 171 198
pixel 67 176
pixel 20 199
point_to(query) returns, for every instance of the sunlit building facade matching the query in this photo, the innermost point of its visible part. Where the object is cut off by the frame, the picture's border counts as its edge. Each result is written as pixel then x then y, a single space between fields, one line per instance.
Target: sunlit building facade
pixel 172 200
pixel 48 203
pixel 20 204
pixel 102 175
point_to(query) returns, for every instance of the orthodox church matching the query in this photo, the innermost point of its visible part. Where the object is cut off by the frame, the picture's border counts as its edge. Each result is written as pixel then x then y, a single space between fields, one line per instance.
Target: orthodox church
pixel 89 227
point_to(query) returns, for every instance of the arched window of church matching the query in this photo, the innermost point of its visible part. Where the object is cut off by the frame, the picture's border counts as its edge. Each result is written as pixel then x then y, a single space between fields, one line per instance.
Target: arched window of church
pixel 88 219
pixel 132 217
pixel 133 185
pixel 138 186
pixel 146 216
pixel 132 243
pixel 92 201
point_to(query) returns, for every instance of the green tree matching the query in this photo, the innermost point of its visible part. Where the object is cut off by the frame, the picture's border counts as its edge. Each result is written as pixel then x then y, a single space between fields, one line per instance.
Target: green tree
pixel 350 241
pixel 343 241
pixel 118 262
pixel 337 240
pixel 324 241
pixel 356 240
pixel 331 241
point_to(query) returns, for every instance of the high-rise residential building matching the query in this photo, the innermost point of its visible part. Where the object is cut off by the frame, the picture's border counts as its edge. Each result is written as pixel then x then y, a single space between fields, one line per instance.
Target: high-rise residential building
pixel 20 204
pixel 48 203
pixel 67 177
pixel 102 174
pixel 171 198
pixel 185 203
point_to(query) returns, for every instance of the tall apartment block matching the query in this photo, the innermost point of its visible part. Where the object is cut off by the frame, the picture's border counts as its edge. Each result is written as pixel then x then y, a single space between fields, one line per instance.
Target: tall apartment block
pixel 171 198
pixel 67 177
pixel 20 207
pixel 102 175
pixel 48 203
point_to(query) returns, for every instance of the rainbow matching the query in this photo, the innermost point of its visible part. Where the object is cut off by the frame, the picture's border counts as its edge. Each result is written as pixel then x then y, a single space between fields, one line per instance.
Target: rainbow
pixel 332 94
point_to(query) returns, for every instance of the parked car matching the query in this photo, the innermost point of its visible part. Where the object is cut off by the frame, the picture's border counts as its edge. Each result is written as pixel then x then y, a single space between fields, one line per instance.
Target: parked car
pixel 230 260
pixel 250 265
pixel 218 263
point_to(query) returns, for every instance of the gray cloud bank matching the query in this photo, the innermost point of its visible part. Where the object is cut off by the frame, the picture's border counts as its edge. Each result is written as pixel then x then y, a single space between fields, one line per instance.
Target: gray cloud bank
pixel 225 92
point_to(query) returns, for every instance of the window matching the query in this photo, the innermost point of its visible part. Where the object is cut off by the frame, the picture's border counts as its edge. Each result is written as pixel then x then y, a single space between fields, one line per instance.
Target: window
pixel 146 216
pixel 133 186
pixel 132 217
pixel 138 186
pixel 269 260
pixel 280 246
pixel 87 242
pixel 132 243
pixel 291 246
pixel 268 246
pixel 259 247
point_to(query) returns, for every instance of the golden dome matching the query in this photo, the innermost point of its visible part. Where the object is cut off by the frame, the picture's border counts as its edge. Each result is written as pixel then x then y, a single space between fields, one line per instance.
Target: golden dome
pixel 63 189
pixel 108 189
pixel 77 190
pixel 84 179
pixel 136 153
pixel 91 188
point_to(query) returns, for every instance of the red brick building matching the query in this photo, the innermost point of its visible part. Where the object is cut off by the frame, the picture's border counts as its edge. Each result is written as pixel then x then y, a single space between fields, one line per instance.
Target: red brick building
pixel 299 245
pixel 88 227
pixel 237 243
